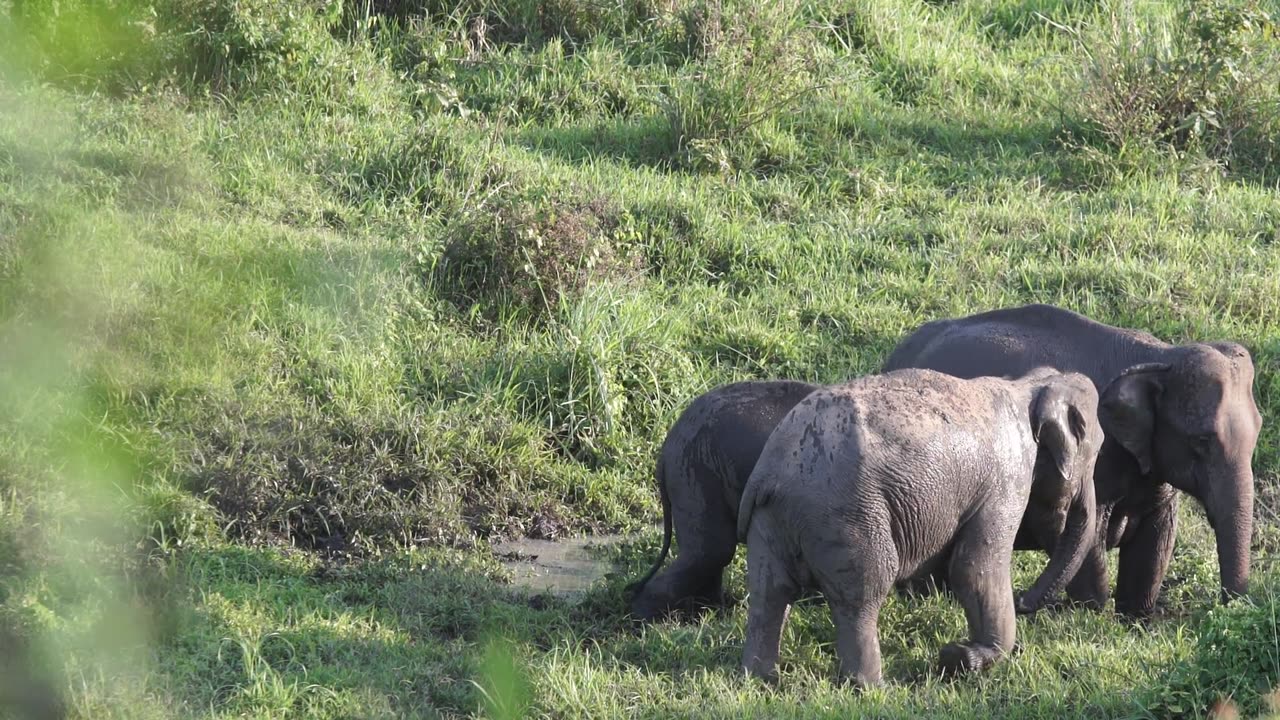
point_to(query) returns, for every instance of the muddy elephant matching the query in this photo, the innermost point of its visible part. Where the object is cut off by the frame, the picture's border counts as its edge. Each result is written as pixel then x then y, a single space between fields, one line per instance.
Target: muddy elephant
pixel 891 477
pixel 1176 417
pixel 701 470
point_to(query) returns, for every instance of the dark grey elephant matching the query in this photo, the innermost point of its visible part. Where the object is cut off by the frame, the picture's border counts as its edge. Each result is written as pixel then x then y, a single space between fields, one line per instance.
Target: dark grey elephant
pixel 1175 416
pixel 703 465
pixel 892 477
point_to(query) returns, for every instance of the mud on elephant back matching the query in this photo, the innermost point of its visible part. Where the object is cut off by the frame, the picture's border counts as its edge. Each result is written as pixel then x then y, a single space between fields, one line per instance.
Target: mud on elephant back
pixel 1176 417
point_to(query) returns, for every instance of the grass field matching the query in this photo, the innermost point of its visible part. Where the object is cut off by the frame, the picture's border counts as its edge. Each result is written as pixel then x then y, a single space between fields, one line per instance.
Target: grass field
pixel 303 304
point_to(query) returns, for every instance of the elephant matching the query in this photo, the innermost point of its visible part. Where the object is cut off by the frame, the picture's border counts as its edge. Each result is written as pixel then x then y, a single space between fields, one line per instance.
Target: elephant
pixel 892 477
pixel 1175 417
pixel 701 470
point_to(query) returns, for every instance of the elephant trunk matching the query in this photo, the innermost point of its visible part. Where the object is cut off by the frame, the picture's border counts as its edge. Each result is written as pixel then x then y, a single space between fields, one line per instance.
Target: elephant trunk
pixel 1068 552
pixel 1230 512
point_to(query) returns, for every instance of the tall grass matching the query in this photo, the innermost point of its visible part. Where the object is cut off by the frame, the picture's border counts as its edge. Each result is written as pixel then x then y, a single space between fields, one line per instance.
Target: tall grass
pixel 1200 78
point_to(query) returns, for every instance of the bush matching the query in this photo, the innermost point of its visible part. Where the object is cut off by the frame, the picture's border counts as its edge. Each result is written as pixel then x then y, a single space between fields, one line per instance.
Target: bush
pixel 1237 658
pixel 504 22
pixel 532 252
pixel 84 42
pixel 119 44
pixel 757 61
pixel 1205 80
pixel 225 42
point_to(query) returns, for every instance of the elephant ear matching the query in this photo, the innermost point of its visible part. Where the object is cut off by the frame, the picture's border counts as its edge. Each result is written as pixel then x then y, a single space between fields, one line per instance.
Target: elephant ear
pixel 1058 427
pixel 1127 409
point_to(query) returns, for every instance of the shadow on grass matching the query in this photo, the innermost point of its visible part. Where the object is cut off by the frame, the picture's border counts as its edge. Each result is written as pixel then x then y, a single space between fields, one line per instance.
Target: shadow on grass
pixel 840 346
pixel 645 142
pixel 968 152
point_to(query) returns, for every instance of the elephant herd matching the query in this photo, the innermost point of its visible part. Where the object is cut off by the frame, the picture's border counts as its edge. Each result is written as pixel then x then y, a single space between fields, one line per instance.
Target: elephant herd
pixel 1023 428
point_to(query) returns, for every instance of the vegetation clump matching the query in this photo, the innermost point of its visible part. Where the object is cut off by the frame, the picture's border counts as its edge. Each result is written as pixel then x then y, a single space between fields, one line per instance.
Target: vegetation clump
pixel 1203 79
pixel 533 253
pixel 759 62
pixel 1237 658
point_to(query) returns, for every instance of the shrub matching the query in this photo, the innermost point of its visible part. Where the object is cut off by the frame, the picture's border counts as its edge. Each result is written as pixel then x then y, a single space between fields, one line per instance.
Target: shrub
pixel 1205 80
pixel 757 61
pixel 84 42
pixel 225 42
pixel 532 252
pixel 119 44
pixel 1237 657
pixel 501 22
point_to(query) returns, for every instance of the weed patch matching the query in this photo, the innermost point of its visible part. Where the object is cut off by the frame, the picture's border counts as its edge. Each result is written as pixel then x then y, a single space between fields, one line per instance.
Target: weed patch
pixel 1200 81
pixel 532 253
pixel 1237 659
pixel 757 61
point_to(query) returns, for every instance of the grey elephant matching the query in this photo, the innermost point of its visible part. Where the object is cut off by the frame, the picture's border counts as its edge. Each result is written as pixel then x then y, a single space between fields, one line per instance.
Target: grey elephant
pixel 702 467
pixel 1176 417
pixel 891 477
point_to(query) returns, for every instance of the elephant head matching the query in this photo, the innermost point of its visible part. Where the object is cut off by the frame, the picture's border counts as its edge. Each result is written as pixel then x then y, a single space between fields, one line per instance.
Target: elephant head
pixel 1191 421
pixel 1068 437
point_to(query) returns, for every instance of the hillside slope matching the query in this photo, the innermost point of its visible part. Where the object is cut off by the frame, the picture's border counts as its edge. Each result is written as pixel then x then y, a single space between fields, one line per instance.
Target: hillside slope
pixel 302 304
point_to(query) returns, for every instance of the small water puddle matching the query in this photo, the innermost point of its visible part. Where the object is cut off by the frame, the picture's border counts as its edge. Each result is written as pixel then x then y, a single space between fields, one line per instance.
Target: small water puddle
pixel 560 567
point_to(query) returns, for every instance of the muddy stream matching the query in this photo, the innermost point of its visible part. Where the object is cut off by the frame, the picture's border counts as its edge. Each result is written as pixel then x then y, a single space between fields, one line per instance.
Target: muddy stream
pixel 560 567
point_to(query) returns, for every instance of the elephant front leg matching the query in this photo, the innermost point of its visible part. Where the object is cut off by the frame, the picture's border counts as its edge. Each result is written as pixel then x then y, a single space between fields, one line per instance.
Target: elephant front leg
pixel 1144 559
pixel 1090 586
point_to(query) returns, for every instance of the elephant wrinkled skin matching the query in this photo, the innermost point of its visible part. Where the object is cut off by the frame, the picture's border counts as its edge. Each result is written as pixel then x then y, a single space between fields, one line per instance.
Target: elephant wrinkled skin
pixel 703 465
pixel 1176 417
pixel 892 477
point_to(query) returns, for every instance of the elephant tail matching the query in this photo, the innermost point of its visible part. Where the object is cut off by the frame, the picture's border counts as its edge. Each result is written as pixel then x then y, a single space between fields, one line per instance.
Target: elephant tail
pixel 746 507
pixel 638 585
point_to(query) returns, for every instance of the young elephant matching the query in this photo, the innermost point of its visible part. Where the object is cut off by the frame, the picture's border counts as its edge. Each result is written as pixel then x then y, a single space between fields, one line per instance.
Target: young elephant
pixel 703 465
pixel 896 476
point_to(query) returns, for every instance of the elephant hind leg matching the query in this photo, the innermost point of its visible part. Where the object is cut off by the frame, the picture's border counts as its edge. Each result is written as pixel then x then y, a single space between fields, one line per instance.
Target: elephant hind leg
pixel 858 639
pixel 692 582
pixel 772 589
pixel 856 584
pixel 706 539
pixel 981 581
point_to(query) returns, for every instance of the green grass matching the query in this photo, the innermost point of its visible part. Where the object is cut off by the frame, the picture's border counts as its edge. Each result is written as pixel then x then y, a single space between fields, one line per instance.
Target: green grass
pixel 302 305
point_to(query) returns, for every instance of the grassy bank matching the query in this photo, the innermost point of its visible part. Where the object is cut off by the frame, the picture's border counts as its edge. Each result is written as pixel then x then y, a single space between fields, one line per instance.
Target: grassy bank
pixel 301 305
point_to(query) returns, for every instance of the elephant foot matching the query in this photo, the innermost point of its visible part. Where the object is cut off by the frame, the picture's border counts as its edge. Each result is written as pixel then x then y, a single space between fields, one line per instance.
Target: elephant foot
pixel 1023 606
pixel 1136 617
pixel 767 677
pixel 962 658
pixel 860 682
pixel 654 608
pixel 1135 612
